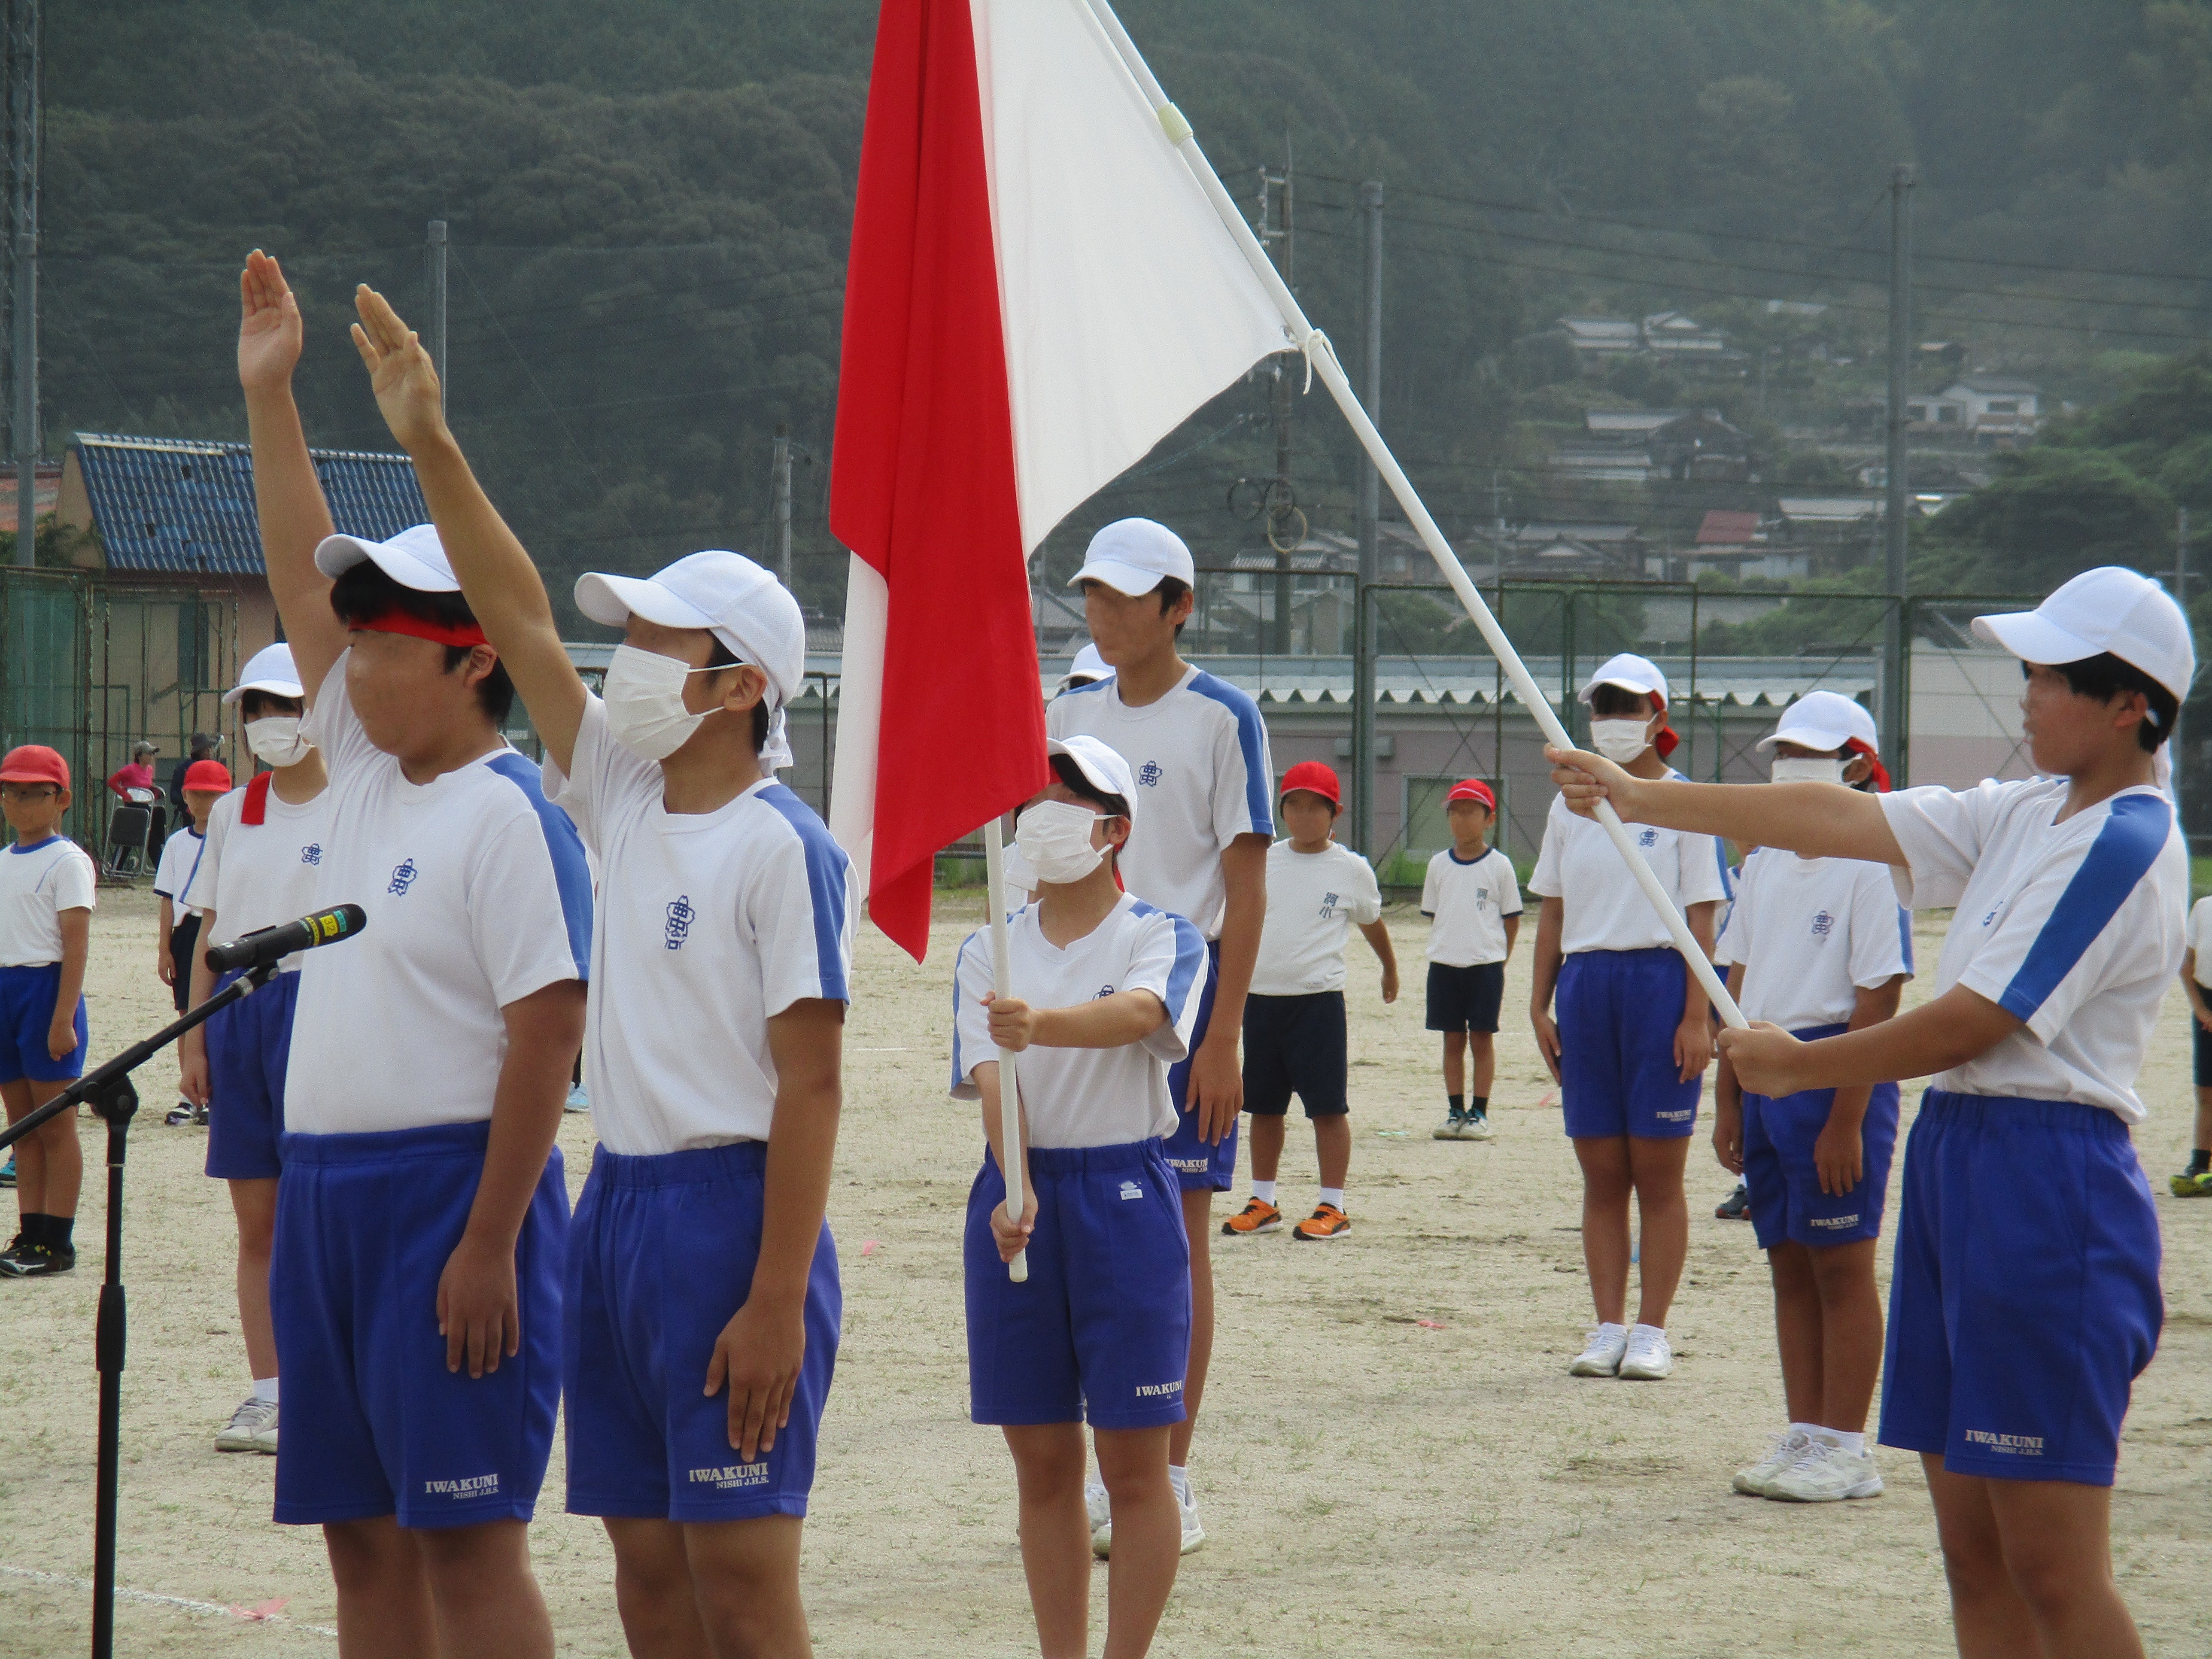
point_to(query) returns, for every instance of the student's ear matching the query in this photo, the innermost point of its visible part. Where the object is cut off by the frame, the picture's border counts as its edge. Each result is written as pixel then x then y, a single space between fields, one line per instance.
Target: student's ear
pixel 62 800
pixel 1117 831
pixel 745 686
pixel 1856 768
pixel 477 668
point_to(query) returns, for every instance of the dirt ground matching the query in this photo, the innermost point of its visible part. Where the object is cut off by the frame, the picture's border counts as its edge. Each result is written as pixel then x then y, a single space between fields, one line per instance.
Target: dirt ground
pixel 1393 1459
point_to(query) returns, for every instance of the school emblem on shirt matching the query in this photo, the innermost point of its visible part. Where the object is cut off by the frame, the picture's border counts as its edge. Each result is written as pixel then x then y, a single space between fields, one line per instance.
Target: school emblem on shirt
pixel 1131 1189
pixel 1482 899
pixel 1649 838
pixel 1150 773
pixel 1328 906
pixel 1823 924
pixel 403 878
pixel 1104 991
pixel 312 853
pixel 681 913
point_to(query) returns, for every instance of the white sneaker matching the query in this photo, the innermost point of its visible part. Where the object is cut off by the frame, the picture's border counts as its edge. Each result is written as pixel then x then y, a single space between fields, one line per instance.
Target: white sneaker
pixel 1100 1509
pixel 1823 1471
pixel 1752 1481
pixel 1193 1533
pixel 1476 1125
pixel 252 1428
pixel 1602 1358
pixel 1648 1358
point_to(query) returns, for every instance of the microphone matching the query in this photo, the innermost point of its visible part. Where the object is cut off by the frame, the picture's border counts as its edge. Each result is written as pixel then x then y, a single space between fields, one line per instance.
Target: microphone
pixel 266 944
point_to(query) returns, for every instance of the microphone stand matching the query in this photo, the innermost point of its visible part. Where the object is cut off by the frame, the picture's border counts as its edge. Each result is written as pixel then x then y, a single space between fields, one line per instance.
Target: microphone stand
pixel 109 1091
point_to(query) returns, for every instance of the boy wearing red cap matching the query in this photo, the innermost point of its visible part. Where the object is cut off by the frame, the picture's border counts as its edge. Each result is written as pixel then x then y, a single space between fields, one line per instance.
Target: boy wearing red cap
pixel 1294 1025
pixel 46 896
pixel 1472 897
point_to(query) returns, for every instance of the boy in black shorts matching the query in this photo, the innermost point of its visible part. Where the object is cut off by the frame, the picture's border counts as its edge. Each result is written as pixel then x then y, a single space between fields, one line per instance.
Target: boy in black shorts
pixel 1473 898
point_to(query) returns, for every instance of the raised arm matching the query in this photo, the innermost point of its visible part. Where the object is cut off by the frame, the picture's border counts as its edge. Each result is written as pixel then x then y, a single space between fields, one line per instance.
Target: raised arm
pixel 497 578
pixel 287 495
pixel 1820 820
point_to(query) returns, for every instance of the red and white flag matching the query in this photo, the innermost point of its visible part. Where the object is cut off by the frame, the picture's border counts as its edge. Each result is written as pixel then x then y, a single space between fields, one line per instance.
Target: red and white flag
pixel 1039 291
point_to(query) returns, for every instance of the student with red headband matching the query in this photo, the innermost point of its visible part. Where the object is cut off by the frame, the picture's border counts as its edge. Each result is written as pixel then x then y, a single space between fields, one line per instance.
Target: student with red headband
pixel 1634 1034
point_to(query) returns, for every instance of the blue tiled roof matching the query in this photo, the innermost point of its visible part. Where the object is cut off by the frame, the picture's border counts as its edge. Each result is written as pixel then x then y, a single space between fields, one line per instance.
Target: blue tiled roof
pixel 175 504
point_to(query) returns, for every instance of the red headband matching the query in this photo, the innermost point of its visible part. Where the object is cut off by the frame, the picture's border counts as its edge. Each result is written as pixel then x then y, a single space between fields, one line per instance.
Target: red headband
pixel 396 621
pixel 1877 775
pixel 1664 740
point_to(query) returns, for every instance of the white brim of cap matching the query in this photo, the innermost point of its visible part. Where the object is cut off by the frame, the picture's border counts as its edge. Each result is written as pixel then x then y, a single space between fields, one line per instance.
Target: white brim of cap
pixel 2033 637
pixel 1104 786
pixel 1805 737
pixel 1124 579
pixel 1584 696
pixel 274 688
pixel 336 555
pixel 613 600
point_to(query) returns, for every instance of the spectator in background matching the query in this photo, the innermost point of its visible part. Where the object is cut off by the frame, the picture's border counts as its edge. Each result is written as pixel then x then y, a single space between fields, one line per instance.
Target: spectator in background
pixel 139 775
pixel 205 747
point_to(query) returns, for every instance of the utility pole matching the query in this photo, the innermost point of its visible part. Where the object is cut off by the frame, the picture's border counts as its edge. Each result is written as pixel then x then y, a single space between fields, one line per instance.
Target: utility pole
pixel 1371 484
pixel 433 311
pixel 2181 598
pixel 1280 501
pixel 782 500
pixel 1896 637
pixel 24 115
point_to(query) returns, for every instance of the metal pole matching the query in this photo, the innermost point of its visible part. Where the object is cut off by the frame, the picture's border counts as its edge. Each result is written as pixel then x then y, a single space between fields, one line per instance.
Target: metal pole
pixel 1363 609
pixel 782 500
pixel 1896 640
pixel 2181 598
pixel 433 319
pixel 23 119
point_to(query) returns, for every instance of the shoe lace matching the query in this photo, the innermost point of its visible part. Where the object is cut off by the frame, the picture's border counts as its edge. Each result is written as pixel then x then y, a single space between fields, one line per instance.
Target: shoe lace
pixel 1814 1452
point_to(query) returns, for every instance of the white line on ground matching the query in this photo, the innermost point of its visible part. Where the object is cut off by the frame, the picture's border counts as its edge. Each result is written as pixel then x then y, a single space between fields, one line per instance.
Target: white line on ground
pixel 152 1600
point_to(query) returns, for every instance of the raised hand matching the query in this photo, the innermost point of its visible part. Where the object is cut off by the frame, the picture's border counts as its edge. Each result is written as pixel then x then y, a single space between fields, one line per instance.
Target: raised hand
pixel 399 371
pixel 270 332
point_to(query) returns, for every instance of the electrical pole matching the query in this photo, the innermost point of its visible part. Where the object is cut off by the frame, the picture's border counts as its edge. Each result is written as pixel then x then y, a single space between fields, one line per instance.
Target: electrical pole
pixel 2181 598
pixel 1896 637
pixel 1363 646
pixel 433 312
pixel 782 500
pixel 1280 501
pixel 24 115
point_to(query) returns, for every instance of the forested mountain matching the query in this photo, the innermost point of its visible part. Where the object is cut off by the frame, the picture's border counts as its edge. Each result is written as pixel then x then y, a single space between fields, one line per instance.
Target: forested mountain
pixel 649 202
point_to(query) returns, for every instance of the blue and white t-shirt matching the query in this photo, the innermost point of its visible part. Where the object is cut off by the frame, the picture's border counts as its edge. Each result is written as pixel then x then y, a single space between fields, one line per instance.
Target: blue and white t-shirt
pixel 177 876
pixel 260 875
pixel 1469 901
pixel 2075 927
pixel 1086 1097
pixel 1199 757
pixel 37 884
pixel 710 924
pixel 477 895
pixel 1605 909
pixel 1812 933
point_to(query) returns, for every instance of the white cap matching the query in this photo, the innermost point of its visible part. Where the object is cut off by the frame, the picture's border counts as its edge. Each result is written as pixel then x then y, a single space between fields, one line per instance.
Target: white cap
pixel 1823 720
pixel 1088 666
pixel 1631 673
pixel 1107 772
pixel 270 669
pixel 413 558
pixel 1131 555
pixel 2108 608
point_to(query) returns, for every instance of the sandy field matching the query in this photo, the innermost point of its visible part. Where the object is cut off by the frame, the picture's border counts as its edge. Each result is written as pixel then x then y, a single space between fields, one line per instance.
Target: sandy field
pixel 1393 1459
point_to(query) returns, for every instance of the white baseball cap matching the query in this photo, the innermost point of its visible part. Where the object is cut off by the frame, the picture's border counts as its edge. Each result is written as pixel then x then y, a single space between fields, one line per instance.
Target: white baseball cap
pixel 2110 609
pixel 1131 557
pixel 1631 673
pixel 270 669
pixel 1088 666
pixel 738 602
pixel 413 558
pixel 1824 719
pixel 1104 769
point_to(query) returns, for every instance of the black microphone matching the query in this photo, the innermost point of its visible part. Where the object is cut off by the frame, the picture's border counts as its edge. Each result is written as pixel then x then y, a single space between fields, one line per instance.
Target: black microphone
pixel 266 944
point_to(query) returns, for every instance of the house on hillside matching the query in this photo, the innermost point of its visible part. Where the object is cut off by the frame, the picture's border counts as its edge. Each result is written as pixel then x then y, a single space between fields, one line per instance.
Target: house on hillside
pixel 1599 340
pixel 1613 552
pixel 1738 544
pixel 1985 407
pixel 1702 446
pixel 1670 334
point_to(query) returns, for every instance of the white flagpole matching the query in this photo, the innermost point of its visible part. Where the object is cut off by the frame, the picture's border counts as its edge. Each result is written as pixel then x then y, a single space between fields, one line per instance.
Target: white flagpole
pixel 1010 1095
pixel 1321 359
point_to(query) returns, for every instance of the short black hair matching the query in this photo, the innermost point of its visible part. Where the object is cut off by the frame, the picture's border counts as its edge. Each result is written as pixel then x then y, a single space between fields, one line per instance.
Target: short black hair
pixel 1619 702
pixel 1171 588
pixel 255 699
pixel 2105 676
pixel 722 657
pixel 1065 769
pixel 363 591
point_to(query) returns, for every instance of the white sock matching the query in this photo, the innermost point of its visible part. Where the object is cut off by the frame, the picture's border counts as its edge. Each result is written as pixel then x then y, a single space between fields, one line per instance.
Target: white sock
pixel 264 1387
pixel 1180 1480
pixel 1854 1443
pixel 1264 1191
pixel 1810 1430
pixel 1656 1330
pixel 1333 1195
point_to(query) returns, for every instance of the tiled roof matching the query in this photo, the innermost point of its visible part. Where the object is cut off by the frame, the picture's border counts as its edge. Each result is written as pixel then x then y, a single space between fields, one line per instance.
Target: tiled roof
pixel 178 505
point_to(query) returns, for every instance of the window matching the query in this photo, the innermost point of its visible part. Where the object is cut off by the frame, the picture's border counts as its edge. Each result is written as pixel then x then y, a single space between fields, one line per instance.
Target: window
pixel 2004 405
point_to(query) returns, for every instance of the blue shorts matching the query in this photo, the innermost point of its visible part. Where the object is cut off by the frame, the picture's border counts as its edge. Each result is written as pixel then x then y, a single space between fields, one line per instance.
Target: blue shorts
pixel 2025 1298
pixel 1787 1204
pixel 1618 1013
pixel 1199 1167
pixel 27 1014
pixel 247 1046
pixel 660 1259
pixel 364 1225
pixel 1100 1329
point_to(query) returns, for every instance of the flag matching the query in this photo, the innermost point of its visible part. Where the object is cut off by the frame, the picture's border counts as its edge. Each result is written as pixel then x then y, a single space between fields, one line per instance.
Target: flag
pixel 1039 290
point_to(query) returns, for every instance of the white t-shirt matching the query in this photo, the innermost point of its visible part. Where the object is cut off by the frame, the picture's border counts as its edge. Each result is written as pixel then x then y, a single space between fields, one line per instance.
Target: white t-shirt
pixel 1199 757
pixel 709 925
pixel 2199 936
pixel 2075 927
pixel 177 878
pixel 477 895
pixel 1811 934
pixel 263 874
pixel 1313 899
pixel 1468 900
pixel 1086 1097
pixel 37 884
pixel 1606 910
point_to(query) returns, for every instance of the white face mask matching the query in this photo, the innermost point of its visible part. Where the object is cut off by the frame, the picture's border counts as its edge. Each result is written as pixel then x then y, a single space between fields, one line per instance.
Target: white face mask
pixel 276 739
pixel 1829 769
pixel 644 694
pixel 1620 741
pixel 1054 836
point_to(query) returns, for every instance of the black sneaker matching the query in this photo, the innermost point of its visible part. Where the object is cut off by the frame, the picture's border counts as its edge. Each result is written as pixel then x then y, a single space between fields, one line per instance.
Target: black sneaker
pixel 1736 1207
pixel 39 1261
pixel 15 1248
pixel 180 1115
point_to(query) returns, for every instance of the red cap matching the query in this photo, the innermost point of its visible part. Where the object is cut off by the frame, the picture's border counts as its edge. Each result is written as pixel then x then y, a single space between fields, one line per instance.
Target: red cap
pixel 34 762
pixel 207 774
pixel 1315 776
pixel 1472 789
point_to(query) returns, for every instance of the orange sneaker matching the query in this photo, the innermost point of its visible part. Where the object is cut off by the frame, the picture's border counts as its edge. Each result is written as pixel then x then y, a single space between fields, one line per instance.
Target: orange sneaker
pixel 1326 1222
pixel 1257 1217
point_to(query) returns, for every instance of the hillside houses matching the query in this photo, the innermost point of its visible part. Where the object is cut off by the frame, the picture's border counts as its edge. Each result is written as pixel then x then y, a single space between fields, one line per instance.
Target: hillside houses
pixel 1671 335
pixel 1636 446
